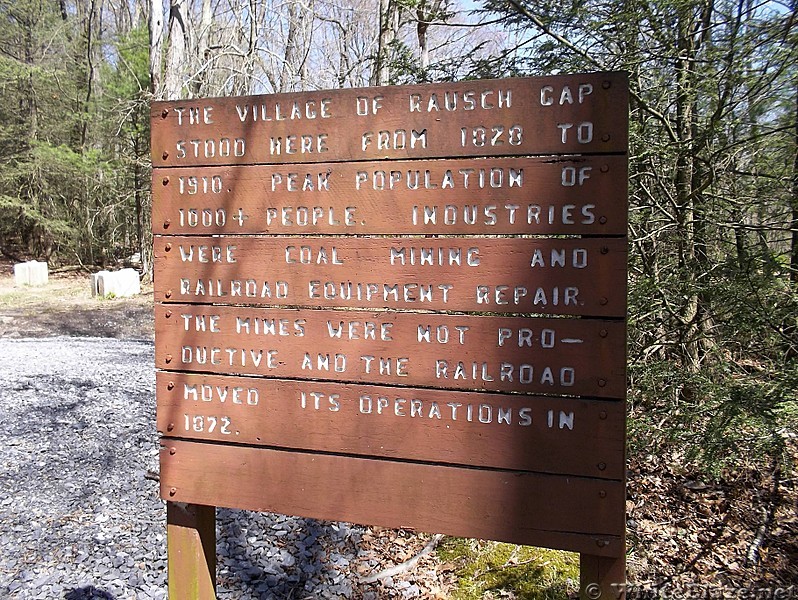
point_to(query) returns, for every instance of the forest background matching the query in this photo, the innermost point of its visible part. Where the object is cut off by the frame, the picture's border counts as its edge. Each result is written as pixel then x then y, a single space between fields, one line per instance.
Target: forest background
pixel 713 306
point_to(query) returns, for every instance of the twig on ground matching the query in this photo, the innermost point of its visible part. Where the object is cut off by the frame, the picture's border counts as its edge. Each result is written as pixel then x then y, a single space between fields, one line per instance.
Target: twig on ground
pixel 407 565
pixel 752 556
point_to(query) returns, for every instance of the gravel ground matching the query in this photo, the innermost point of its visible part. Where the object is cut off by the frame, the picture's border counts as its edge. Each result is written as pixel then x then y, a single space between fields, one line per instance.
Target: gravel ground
pixel 81 516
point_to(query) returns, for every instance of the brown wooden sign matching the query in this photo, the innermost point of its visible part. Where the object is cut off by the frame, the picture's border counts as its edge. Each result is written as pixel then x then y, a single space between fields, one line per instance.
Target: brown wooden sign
pixel 564 356
pixel 569 114
pixel 576 513
pixel 545 195
pixel 503 431
pixel 399 306
pixel 555 276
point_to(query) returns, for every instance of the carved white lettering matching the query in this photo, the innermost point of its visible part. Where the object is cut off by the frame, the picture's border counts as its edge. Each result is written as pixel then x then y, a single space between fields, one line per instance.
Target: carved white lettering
pixel 383 365
pixel 193 322
pixel 492 214
pixel 207 254
pixel 323 362
pixel 204 355
pixel 298 144
pixel 428 179
pixel 461 100
pixel 523 373
pixel 332 403
pixel 566 419
pixel 207 424
pixel 584 131
pixel 420 409
pixel 221 394
pixel 366 106
pixel 398 139
pixel 357 330
pixel 434 256
pixel 242 288
pixel 481 136
pixel 266 326
pixel 197 115
pixel 348 291
pixel 309 109
pixel 301 182
pixel 520 295
pixel 310 216
pixel 559 257
pixel 211 148
pixel 308 255
pixel 525 337
pixel 549 96
pixel 442 333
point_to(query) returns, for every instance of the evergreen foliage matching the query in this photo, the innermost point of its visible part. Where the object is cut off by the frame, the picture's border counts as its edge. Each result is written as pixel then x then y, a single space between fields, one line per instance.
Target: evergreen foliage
pixel 73 135
pixel 714 289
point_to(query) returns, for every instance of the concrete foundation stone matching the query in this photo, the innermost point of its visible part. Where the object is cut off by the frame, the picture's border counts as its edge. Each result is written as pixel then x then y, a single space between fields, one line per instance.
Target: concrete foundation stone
pixel 120 284
pixel 32 272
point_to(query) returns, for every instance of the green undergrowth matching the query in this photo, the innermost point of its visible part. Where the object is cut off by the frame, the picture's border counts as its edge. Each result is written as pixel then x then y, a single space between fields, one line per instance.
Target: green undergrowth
pixel 487 569
pixel 13 297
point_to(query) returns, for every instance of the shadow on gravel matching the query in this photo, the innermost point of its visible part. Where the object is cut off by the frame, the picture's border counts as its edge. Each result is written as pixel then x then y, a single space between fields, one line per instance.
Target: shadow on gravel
pixel 88 593
pixel 120 321
pixel 295 558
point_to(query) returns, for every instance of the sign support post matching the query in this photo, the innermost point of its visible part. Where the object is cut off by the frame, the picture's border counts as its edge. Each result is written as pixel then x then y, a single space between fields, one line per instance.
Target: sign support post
pixel 191 551
pixel 601 577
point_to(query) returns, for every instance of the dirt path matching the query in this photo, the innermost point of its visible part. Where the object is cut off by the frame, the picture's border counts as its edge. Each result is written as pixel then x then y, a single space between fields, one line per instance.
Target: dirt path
pixel 65 306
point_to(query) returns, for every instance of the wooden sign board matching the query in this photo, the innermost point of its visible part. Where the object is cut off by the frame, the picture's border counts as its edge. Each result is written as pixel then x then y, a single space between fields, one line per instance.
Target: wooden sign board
pixel 503 431
pixel 569 512
pixel 585 277
pixel 399 306
pixel 578 195
pixel 586 114
pixel 511 354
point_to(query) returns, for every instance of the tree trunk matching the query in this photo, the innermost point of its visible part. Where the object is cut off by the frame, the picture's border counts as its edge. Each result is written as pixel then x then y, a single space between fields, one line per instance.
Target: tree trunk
pixel 177 52
pixel 252 47
pixel 155 23
pixel 427 11
pixel 685 218
pixel 93 31
pixel 202 81
pixel 794 203
pixel 690 214
pixel 293 75
pixel 389 28
pixel 423 45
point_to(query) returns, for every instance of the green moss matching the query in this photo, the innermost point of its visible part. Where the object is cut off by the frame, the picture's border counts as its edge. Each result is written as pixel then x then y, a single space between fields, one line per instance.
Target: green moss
pixel 496 570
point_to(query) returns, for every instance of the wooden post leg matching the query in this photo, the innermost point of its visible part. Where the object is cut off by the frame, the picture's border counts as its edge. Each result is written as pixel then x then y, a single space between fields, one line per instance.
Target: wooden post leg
pixel 191 551
pixel 602 577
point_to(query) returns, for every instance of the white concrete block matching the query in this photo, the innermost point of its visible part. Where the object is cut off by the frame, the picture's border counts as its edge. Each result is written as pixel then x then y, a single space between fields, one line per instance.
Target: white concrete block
pixel 127 283
pixel 21 274
pixel 32 272
pixel 94 281
pixel 39 274
pixel 117 283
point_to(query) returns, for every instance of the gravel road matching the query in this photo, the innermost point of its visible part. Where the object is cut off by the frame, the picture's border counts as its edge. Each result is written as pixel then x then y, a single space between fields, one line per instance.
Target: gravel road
pixel 79 506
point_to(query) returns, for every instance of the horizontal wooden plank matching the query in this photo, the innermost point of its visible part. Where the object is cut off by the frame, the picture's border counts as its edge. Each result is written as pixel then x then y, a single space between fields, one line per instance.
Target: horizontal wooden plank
pixel 571 513
pixel 526 433
pixel 577 195
pixel 510 354
pixel 567 114
pixel 556 276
